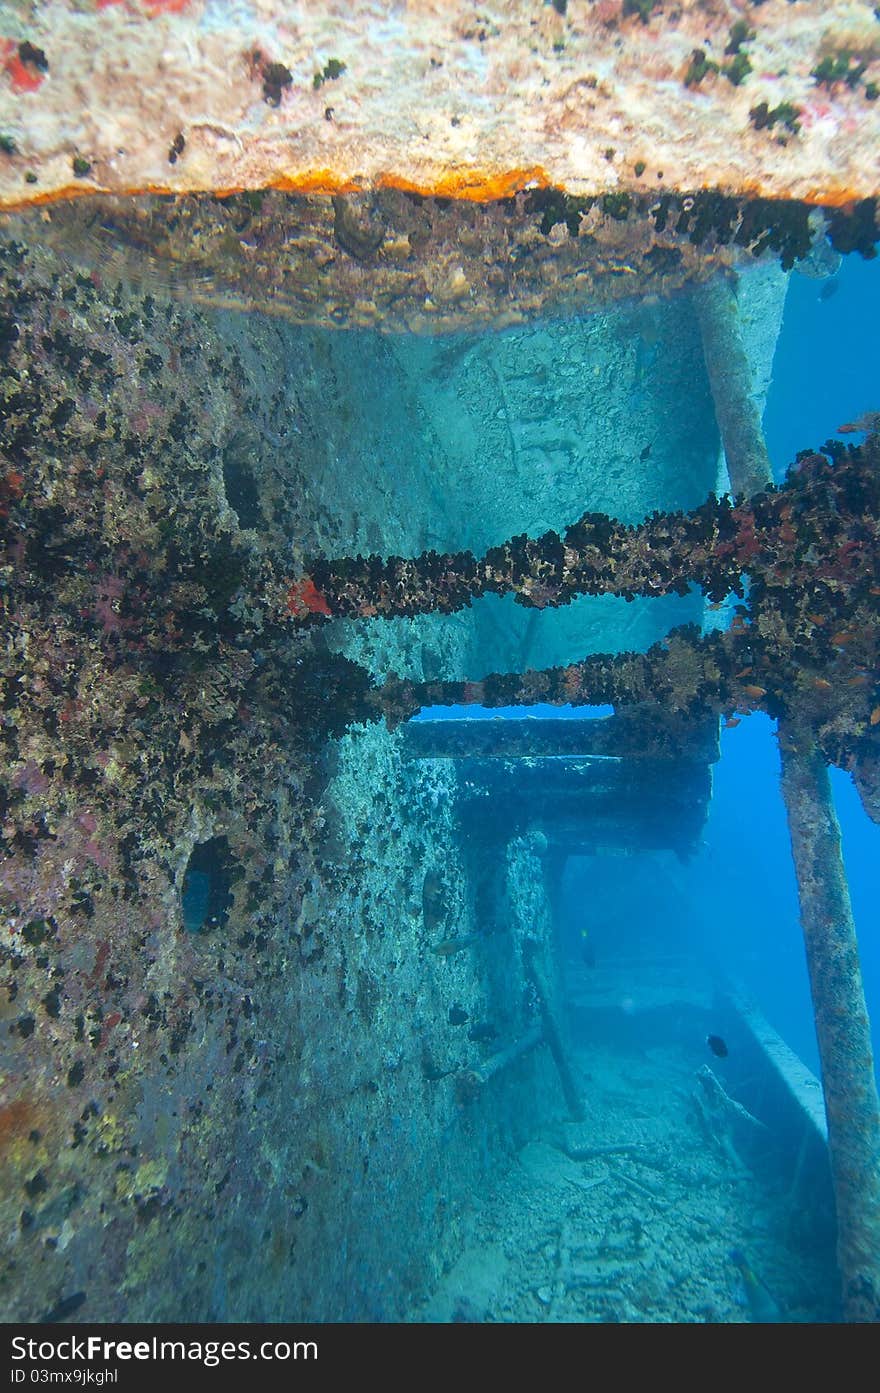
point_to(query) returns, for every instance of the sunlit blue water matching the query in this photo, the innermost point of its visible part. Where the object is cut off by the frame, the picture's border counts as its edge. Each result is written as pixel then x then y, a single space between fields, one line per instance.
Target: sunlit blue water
pixel 743 876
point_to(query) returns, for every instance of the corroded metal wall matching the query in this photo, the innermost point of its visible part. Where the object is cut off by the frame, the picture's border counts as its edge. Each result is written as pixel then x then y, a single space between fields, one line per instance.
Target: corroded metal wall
pixel 225 1074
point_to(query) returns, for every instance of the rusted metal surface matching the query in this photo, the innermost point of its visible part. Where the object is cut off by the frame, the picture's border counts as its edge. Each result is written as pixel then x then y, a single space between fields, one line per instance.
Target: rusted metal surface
pixel 439 97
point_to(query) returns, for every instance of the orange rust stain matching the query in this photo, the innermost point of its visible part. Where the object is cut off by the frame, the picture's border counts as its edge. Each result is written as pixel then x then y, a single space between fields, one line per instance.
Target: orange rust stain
pixel 835 198
pixel 319 181
pixel 832 196
pixel 35 200
pixel 315 181
pixel 471 185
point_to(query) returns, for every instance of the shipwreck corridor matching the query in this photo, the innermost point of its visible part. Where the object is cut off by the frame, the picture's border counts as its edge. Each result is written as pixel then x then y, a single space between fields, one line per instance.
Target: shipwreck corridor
pixel 285 972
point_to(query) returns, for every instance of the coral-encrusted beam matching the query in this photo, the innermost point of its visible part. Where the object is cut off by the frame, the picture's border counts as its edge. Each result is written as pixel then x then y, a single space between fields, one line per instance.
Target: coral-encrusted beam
pixel 843 1029
pixel 806 642
pixel 818 530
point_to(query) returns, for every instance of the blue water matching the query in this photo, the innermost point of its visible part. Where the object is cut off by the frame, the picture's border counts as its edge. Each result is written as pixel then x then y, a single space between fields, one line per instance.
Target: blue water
pixel 826 369
pixel 733 904
pixel 743 876
pixel 825 373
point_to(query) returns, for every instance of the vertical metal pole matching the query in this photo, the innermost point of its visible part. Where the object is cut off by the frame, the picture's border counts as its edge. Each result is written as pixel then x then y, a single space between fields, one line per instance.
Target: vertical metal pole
pixel 730 381
pixel 842 1026
pixel 843 1030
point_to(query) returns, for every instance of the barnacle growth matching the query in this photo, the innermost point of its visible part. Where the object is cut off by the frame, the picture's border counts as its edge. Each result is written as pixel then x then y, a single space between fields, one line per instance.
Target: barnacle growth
pixel 187 914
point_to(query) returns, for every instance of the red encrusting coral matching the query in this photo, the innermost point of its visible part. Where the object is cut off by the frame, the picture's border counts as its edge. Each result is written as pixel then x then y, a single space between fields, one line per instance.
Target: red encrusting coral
pixel 23 64
pixel 152 7
pixel 10 491
pixel 303 598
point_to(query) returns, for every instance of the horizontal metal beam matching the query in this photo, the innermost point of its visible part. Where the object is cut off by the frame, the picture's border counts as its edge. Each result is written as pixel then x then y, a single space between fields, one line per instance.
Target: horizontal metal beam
pixel 630 735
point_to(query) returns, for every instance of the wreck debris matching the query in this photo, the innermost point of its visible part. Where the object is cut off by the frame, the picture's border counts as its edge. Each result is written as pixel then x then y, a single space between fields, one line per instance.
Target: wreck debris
pixel 533 953
pixel 724 1120
pixel 470 1082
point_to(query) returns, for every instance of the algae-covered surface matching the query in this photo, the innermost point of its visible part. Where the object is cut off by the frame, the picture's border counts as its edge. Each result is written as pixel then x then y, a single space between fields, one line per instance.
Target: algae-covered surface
pixel 321 405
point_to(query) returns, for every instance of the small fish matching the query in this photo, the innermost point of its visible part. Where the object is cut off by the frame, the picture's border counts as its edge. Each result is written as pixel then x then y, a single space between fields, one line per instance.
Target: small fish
pixel 458 1015
pixel 829 288
pixel 763 1309
pixel 646 453
pixel 717 1046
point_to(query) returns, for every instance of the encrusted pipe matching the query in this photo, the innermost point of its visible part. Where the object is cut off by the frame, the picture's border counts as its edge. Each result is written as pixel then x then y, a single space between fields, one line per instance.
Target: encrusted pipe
pixel 552 1028
pixel 843 1030
pixel 730 380
pixel 470 1082
pixel 842 1026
